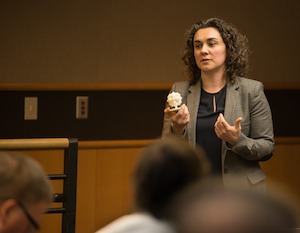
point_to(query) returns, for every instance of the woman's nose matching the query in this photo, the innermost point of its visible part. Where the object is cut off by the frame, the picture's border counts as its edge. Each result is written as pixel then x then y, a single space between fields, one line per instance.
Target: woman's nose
pixel 204 49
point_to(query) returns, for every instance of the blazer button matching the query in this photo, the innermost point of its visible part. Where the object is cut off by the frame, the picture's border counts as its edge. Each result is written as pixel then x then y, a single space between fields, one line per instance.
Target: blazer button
pixel 225 170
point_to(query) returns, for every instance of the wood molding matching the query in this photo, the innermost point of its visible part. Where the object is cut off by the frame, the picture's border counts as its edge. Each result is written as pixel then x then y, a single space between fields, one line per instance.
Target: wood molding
pixel 282 85
pixel 287 140
pixel 119 86
pixel 98 144
pixel 34 143
pixel 83 86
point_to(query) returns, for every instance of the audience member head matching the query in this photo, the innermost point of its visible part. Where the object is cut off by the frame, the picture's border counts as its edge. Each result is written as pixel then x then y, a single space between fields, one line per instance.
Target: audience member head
pixel 25 193
pixel 208 208
pixel 165 168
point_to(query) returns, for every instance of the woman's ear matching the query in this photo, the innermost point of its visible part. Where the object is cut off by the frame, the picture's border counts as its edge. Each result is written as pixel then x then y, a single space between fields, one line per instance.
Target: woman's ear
pixel 6 207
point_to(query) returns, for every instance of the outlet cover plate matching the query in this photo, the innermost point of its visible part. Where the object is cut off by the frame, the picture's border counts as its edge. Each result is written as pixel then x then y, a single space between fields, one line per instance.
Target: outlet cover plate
pixel 82 107
pixel 31 108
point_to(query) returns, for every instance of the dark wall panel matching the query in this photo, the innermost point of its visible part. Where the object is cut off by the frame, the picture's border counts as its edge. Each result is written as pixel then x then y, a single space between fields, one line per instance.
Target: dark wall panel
pixel 115 115
pixel 112 115
pixel 285 111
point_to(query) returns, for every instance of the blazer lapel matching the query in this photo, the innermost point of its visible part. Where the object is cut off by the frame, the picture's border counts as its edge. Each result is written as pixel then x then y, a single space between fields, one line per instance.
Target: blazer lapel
pixel 193 99
pixel 232 95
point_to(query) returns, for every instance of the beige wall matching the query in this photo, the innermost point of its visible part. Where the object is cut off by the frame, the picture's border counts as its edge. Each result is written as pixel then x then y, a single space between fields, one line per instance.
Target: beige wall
pixel 134 40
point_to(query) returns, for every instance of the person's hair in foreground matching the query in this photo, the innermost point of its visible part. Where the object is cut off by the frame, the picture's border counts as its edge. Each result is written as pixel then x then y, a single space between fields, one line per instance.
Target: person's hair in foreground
pixel 24 188
pixel 164 169
pixel 237 49
pixel 206 207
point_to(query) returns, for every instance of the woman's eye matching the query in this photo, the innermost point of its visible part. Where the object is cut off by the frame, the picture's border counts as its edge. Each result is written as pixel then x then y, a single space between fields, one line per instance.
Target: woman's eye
pixel 198 46
pixel 211 44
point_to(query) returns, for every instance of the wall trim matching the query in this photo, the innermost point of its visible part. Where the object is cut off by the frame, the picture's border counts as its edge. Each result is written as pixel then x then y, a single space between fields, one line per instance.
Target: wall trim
pixel 119 86
pixel 101 144
pixel 83 86
pixel 287 140
pixel 282 85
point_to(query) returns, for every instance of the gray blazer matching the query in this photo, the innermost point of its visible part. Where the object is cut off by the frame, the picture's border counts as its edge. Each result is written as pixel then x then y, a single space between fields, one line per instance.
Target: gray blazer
pixel 245 98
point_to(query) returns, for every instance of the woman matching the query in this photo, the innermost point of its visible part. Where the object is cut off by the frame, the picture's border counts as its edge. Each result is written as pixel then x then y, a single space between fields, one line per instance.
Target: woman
pixel 222 111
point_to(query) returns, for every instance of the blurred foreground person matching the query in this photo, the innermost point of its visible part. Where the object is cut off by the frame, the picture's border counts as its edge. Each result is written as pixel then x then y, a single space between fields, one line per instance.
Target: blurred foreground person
pixel 25 193
pixel 208 208
pixel 165 168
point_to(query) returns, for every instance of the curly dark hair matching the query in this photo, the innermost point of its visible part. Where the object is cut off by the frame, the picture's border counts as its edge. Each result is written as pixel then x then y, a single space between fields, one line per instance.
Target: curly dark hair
pixel 237 49
pixel 164 169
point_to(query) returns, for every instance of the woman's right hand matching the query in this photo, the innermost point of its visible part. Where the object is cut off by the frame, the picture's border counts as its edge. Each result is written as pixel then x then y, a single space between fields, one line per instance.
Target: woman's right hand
pixel 179 119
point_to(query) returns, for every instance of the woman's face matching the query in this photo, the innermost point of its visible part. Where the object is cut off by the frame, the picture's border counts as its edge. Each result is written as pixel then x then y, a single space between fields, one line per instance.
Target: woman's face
pixel 209 50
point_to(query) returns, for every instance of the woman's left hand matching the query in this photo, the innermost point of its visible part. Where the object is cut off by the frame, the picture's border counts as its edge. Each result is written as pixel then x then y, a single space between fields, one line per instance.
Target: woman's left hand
pixel 227 132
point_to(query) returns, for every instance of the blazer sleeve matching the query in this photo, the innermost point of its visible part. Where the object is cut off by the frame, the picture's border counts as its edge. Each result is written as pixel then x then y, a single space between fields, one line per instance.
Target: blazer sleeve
pixel 259 144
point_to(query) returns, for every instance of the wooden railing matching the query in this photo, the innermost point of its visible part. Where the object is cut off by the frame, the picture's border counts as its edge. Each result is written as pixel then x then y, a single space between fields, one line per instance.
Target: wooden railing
pixel 69 177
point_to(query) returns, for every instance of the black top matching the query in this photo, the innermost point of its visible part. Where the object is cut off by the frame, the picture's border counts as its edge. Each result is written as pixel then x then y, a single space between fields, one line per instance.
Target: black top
pixel 211 105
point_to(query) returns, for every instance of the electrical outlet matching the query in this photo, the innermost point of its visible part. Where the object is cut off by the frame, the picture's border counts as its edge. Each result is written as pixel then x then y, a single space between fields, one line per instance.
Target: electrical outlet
pixel 82 107
pixel 31 108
